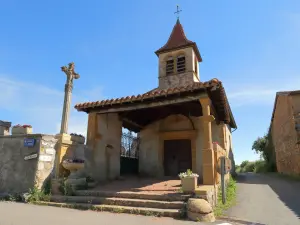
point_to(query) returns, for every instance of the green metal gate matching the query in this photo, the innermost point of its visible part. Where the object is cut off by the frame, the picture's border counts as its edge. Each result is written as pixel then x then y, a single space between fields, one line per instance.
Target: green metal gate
pixel 129 154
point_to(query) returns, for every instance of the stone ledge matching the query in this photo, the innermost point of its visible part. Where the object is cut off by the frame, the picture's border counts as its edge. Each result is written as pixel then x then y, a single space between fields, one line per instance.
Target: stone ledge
pixel 204 189
pixel 25 135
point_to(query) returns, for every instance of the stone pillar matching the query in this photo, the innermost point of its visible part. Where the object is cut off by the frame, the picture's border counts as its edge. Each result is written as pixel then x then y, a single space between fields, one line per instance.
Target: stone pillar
pixel 64 140
pixel 70 72
pixel 222 135
pixel 63 144
pixel 66 109
pixel 207 152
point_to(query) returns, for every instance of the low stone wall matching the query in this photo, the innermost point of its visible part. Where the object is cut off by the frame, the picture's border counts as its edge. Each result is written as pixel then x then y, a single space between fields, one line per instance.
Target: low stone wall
pixel 208 193
pixel 22 167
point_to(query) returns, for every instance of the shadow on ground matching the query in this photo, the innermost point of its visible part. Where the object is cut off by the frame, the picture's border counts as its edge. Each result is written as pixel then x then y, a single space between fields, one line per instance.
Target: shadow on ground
pixel 286 189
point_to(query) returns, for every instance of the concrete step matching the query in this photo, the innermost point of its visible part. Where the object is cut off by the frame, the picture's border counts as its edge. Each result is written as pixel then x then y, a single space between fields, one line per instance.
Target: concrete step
pixel 119 201
pixel 118 209
pixel 134 195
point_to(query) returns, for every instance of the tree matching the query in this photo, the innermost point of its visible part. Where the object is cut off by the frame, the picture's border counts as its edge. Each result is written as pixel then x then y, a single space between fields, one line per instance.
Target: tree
pixel 264 147
pixel 259 145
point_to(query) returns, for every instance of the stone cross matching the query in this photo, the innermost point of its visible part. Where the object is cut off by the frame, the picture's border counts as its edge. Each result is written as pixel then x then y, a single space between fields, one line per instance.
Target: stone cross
pixel 71 74
pixel 177 11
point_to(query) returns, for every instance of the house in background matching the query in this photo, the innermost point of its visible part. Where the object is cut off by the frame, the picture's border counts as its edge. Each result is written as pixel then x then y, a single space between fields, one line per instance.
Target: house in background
pixel 285 131
pixel 180 124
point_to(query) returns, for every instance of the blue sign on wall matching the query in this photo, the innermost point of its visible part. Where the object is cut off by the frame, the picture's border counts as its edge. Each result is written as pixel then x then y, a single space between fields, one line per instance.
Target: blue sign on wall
pixel 29 142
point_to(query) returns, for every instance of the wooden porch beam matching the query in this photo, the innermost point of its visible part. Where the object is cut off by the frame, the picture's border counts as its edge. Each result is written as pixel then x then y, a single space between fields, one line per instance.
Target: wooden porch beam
pixel 145 105
pixel 132 123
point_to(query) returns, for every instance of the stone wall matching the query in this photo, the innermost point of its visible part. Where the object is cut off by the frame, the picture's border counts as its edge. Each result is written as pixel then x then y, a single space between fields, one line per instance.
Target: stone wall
pixel 149 161
pixel 285 135
pixel 190 76
pixel 102 155
pixel 23 167
pixel 150 143
pixel 149 164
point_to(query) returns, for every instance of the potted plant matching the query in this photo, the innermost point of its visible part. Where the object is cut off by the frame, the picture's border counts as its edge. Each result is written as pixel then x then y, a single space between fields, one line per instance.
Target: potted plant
pixel 189 181
pixel 19 129
pixel 77 138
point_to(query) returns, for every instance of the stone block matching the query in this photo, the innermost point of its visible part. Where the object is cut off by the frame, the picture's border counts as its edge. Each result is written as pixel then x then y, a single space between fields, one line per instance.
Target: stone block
pixel 200 210
pixel 210 217
pixel 199 206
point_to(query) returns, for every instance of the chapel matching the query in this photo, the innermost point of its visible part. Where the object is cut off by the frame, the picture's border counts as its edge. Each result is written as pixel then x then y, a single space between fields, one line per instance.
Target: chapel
pixel 179 124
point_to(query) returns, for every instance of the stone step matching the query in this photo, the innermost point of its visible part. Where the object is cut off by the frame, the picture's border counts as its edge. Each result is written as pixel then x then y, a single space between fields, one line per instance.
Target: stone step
pixel 134 195
pixel 91 184
pixel 118 209
pixel 119 201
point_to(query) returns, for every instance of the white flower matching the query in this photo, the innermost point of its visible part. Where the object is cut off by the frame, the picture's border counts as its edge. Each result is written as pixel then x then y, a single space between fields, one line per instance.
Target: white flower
pixel 188 174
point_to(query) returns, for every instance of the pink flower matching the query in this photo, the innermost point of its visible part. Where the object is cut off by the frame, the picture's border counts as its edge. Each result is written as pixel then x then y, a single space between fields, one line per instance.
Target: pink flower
pixel 27 126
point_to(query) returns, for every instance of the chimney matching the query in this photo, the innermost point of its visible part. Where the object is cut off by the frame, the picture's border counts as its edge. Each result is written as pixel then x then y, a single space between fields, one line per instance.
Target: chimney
pixel 4 128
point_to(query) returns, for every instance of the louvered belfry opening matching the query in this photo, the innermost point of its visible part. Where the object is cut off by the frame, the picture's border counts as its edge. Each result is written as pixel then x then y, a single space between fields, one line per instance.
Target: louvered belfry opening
pixel 170 66
pixel 181 64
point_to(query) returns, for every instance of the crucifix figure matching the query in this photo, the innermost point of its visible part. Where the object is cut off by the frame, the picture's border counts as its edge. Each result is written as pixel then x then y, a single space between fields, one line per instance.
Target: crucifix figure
pixel 177 11
pixel 71 75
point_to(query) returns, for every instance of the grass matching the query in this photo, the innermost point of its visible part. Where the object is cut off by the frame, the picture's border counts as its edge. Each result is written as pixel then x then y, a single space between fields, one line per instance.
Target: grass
pixel 230 198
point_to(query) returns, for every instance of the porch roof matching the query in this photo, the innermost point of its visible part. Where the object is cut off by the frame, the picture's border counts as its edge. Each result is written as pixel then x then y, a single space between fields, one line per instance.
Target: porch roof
pixel 141 110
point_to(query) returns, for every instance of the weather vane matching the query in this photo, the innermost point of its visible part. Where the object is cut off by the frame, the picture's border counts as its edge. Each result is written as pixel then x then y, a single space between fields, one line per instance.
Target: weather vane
pixel 177 11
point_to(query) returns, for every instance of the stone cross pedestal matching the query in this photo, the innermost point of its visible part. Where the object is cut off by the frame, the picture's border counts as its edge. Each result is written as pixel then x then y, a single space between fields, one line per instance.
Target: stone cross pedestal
pixel 64 139
pixel 71 74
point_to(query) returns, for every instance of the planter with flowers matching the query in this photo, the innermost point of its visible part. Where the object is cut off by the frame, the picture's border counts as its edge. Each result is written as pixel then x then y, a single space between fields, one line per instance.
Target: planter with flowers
pixel 77 138
pixel 73 165
pixel 21 129
pixel 189 181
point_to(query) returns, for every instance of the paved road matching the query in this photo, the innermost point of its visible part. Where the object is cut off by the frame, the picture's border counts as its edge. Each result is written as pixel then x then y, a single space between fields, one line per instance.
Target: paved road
pixel 267 200
pixel 25 214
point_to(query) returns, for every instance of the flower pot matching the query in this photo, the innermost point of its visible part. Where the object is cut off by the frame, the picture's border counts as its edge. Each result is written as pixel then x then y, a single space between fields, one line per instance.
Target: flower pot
pixel 189 184
pixel 21 130
pixel 78 139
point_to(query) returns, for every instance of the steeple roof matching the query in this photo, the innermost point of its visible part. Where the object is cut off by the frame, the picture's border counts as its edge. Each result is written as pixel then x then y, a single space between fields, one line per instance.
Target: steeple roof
pixel 178 40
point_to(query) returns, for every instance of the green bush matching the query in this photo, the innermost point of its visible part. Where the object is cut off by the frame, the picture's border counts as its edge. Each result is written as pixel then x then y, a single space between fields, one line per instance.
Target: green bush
pixel 36 195
pixel 65 188
pixel 260 166
pixel 249 167
pixel 244 163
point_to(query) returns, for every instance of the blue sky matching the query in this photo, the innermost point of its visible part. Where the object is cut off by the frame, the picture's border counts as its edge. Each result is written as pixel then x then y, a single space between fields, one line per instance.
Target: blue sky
pixel 251 46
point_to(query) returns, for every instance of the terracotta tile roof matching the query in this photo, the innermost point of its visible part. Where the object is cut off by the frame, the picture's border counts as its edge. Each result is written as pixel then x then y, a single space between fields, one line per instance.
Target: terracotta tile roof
pixel 148 95
pixel 178 40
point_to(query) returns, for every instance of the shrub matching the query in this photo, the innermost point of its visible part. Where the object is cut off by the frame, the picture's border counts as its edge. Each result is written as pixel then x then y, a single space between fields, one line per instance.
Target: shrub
pixel 36 195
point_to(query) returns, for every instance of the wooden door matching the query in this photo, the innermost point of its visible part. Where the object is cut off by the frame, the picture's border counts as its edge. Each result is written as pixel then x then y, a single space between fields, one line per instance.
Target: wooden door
pixel 177 156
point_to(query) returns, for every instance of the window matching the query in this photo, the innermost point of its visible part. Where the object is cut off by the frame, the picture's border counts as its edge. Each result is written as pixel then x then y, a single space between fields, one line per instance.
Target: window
pixel 170 66
pixel 181 64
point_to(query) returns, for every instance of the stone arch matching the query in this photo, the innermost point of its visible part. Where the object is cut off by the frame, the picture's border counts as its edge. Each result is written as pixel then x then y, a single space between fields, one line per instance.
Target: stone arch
pixel 176 122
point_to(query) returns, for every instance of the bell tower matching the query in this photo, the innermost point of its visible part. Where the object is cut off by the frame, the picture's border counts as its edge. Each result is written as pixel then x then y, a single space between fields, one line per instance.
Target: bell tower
pixel 178 60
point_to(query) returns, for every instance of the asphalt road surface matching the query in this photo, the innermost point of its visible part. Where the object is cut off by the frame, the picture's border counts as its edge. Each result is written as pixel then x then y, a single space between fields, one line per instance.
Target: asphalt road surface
pixel 266 200
pixel 25 214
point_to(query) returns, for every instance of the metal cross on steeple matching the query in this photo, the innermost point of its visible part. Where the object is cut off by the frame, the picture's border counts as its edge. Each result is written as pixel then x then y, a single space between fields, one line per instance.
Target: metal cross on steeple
pixel 177 11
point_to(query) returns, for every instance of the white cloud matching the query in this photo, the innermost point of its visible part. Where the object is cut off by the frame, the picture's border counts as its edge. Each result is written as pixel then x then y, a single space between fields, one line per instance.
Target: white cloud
pixel 258 94
pixel 41 106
